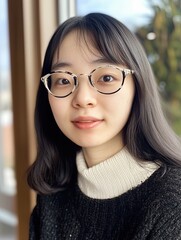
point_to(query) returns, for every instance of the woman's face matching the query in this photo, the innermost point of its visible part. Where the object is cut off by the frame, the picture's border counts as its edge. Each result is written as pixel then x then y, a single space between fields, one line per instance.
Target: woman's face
pixel 90 119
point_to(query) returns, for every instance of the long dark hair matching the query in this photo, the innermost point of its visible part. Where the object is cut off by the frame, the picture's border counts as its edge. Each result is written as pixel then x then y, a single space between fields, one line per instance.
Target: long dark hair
pixel 147 134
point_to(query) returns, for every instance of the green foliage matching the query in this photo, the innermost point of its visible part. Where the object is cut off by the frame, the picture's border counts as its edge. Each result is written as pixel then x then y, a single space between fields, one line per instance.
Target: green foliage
pixel 164 53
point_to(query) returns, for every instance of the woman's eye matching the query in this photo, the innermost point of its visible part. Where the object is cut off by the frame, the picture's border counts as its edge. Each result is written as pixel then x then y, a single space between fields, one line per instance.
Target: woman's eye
pixel 62 81
pixel 107 78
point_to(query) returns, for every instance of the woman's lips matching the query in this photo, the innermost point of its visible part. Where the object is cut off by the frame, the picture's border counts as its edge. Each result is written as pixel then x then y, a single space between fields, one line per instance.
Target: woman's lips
pixel 86 122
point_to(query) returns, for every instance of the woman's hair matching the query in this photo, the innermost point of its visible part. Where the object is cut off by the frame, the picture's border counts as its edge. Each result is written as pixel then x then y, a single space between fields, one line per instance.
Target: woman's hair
pixel 147 134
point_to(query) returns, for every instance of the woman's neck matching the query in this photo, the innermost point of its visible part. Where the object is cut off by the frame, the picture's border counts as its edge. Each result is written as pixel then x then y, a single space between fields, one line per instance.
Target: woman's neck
pixel 98 154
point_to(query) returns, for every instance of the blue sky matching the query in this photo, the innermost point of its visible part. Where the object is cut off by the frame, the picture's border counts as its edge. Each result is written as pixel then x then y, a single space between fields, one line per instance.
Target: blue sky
pixel 133 13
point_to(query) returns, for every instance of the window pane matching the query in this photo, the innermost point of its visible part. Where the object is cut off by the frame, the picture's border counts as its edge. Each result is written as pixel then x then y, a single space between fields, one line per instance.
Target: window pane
pixel 8 220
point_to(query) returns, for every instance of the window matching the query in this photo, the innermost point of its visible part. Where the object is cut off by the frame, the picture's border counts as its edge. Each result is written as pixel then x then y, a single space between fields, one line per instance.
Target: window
pixel 8 220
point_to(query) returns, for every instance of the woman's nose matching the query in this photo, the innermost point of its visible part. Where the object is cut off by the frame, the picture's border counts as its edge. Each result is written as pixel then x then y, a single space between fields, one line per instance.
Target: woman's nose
pixel 85 95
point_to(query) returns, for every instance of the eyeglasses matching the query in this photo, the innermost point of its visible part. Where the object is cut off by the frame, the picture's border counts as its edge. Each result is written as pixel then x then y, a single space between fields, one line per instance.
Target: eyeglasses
pixel 105 79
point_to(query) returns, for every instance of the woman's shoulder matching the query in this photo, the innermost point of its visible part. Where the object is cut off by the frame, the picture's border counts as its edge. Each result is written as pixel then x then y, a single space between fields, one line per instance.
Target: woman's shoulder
pixel 169 176
pixel 53 199
pixel 161 204
pixel 165 185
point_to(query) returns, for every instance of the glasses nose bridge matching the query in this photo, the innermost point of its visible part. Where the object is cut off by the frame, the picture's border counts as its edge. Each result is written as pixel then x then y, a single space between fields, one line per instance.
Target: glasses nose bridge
pixel 83 74
pixel 88 75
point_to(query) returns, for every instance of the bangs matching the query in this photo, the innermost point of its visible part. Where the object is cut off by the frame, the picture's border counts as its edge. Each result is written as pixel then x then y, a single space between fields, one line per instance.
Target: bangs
pixel 98 42
pixel 98 45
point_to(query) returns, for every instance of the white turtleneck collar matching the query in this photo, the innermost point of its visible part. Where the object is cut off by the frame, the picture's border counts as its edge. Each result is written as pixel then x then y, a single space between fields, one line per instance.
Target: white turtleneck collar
pixel 113 176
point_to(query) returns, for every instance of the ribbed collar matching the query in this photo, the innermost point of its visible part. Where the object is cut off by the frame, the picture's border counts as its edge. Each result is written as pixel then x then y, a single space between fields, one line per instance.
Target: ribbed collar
pixel 113 176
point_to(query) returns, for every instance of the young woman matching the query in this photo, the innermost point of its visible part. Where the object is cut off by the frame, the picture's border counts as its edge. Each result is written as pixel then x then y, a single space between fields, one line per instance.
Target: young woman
pixel 108 165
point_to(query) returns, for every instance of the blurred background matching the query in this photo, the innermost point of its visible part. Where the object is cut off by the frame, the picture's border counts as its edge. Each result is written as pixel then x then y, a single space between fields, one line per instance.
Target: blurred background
pixel 25 29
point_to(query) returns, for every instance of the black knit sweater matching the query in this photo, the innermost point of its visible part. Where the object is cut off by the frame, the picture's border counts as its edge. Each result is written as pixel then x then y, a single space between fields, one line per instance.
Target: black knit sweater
pixel 150 211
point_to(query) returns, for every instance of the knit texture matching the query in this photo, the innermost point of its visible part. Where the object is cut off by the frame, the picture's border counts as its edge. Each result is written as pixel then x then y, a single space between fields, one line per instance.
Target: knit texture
pixel 150 211
pixel 114 176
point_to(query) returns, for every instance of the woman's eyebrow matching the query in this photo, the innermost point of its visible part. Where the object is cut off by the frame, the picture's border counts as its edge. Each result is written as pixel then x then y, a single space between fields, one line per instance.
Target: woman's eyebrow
pixel 67 64
pixel 60 65
pixel 102 60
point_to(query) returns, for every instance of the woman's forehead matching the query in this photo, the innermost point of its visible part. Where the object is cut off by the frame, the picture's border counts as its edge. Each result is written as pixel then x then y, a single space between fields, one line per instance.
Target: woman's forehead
pixel 91 45
pixel 79 43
